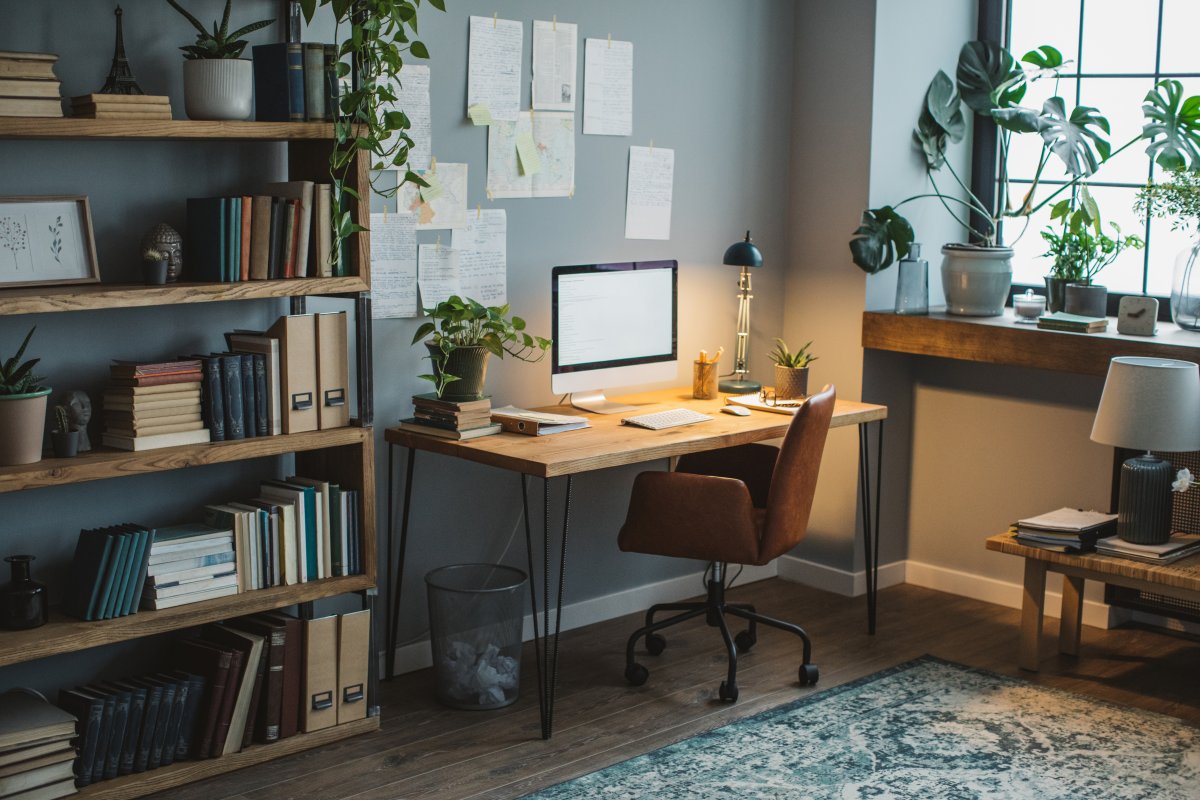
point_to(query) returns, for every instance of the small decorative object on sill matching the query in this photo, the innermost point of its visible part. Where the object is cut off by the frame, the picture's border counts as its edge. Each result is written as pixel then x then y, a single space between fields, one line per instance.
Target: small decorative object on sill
pixel 23 600
pixel 154 267
pixel 1137 316
pixel 1185 288
pixel 63 440
pixel 1086 300
pixel 791 370
pixel 704 375
pixel 1028 307
pixel 79 406
pixel 912 283
pixel 120 76
pixel 165 239
pixel 1072 323
pixel 976 279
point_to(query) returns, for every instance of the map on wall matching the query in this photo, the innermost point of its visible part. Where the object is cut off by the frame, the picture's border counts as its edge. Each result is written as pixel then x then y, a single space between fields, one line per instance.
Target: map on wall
pixel 553 136
pixel 444 203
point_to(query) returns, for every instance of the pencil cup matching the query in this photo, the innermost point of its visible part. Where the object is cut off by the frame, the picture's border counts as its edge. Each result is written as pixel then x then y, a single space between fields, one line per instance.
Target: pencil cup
pixel 704 380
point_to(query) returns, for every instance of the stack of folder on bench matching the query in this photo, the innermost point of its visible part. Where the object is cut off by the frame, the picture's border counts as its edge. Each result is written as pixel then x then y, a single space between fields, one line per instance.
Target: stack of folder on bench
pixel 1067 530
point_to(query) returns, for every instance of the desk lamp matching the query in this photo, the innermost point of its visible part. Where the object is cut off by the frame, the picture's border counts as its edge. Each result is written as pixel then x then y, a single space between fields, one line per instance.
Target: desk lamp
pixel 744 254
pixel 1148 404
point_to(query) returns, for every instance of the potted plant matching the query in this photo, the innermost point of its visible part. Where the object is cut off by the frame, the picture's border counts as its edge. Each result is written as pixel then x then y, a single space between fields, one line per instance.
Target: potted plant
pixel 461 336
pixel 991 82
pixel 154 267
pixel 22 409
pixel 64 439
pixel 1080 249
pixel 217 82
pixel 791 370
pixel 1178 199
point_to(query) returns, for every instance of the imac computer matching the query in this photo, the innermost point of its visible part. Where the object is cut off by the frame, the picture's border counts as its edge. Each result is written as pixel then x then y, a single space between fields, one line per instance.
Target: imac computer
pixel 613 325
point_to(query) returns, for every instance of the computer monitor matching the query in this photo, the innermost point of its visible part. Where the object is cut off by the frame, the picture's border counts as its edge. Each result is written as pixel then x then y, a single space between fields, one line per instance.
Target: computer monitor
pixel 613 325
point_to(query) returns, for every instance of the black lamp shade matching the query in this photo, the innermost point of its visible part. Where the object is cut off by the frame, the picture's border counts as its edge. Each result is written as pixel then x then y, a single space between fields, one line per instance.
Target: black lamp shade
pixel 744 254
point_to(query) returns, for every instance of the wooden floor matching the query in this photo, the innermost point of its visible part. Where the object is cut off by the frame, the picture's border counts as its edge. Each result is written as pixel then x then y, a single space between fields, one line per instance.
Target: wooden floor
pixel 426 751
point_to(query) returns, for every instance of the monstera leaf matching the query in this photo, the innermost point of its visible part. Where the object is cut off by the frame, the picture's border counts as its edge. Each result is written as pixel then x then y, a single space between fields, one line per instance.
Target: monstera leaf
pixel 1044 57
pixel 941 118
pixel 883 237
pixel 1172 126
pixel 1075 139
pixel 1017 119
pixel 989 77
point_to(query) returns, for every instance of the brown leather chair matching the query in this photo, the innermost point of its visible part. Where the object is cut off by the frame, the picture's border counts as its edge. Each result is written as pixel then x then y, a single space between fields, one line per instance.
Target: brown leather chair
pixel 746 504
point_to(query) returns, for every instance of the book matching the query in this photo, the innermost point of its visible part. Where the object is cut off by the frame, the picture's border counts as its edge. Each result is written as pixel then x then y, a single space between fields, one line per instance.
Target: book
pixel 536 423
pixel 302 192
pixel 102 99
pixel 1067 520
pixel 133 723
pixel 292 668
pixel 414 425
pixel 270 702
pixel 157 604
pixel 26 717
pixel 314 81
pixel 323 230
pixel 92 551
pixel 232 386
pixel 190 718
pixel 61 747
pixel 471 419
pixel 213 664
pixel 332 85
pixel 275 255
pixel 166 708
pixel 279 82
pixel 165 755
pixel 260 237
pixel 1062 321
pixel 250 646
pixel 50 791
pixel 212 396
pixel 30 107
pixel 155 391
pixel 219 556
pixel 103 113
pixel 204 239
pixel 287 258
pixel 231 267
pixel 15 87
pixel 261 344
pixel 1180 545
pixel 140 443
pixel 249 400
pixel 27 69
pixel 189 378
pixel 88 709
pixel 115 429
pixel 167 589
pixel 432 401
pixel 114 747
pixel 310 550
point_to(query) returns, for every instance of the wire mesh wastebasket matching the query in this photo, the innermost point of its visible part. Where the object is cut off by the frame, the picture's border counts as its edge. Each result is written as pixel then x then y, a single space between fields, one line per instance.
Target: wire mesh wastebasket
pixel 475 616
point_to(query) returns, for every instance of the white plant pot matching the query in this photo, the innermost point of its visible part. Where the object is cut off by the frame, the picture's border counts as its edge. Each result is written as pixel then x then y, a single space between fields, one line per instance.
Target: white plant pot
pixel 976 280
pixel 218 88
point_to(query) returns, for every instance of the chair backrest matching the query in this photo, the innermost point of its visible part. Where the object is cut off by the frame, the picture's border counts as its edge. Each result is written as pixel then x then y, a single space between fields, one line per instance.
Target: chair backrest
pixel 794 482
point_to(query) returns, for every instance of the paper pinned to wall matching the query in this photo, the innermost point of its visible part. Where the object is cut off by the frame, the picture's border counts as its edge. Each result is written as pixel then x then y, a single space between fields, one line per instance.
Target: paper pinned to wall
pixel 494 67
pixel 607 87
pixel 554 65
pixel 412 98
pixel 393 265
pixel 482 248
pixel 553 134
pixel 648 202
pixel 446 206
pixel 437 274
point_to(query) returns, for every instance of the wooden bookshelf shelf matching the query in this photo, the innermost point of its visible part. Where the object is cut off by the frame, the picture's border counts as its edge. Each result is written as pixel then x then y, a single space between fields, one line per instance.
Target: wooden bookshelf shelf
pixel 181 129
pixel 63 634
pixel 105 462
pixel 157 780
pixel 91 296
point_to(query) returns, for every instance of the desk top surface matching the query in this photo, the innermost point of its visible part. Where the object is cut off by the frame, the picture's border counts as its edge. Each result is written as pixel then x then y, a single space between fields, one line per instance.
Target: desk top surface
pixel 1181 574
pixel 608 443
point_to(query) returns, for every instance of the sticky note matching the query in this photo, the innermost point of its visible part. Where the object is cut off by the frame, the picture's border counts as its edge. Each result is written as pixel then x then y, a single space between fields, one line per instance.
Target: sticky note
pixel 479 114
pixel 434 190
pixel 527 151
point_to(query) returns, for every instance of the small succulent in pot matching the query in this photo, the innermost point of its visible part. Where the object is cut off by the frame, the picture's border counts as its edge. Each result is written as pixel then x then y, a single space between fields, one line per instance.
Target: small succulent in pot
pixel 64 438
pixel 791 370
pixel 154 267
pixel 220 43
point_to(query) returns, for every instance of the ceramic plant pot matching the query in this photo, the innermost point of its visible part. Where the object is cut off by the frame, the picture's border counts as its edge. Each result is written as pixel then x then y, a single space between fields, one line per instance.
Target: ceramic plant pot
pixel 154 273
pixel 218 88
pixel 22 422
pixel 1056 293
pixel 976 279
pixel 1086 300
pixel 469 365
pixel 791 383
pixel 64 444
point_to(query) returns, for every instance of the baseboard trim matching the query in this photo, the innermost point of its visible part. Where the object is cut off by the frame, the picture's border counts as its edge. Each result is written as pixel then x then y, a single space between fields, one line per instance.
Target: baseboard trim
pixel 838 581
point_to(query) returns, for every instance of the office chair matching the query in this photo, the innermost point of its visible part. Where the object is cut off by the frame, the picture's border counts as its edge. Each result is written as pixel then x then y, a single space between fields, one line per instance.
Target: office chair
pixel 746 504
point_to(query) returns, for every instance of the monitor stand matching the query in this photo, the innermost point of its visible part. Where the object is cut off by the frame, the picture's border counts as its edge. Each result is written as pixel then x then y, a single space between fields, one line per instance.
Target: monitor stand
pixel 597 403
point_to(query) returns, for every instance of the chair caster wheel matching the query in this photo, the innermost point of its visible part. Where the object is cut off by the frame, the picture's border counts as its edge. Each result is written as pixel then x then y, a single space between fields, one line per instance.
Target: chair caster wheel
pixel 636 674
pixel 744 641
pixel 729 694
pixel 655 644
pixel 809 674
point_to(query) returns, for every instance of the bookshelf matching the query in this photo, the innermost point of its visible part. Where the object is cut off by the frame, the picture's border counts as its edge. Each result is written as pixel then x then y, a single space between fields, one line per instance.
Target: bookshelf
pixel 345 455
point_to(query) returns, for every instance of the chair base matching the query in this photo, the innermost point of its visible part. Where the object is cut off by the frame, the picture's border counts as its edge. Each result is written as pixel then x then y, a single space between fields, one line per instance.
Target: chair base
pixel 714 608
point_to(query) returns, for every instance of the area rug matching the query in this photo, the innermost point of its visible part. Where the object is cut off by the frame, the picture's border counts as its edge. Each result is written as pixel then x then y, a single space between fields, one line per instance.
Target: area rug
pixel 927 729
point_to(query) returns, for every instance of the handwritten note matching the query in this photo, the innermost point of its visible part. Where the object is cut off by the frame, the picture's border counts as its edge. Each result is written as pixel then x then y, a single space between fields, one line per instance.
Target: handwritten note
pixel 608 87
pixel 442 204
pixel 554 65
pixel 482 249
pixel 393 266
pixel 412 98
pixel 494 67
pixel 437 274
pixel 648 203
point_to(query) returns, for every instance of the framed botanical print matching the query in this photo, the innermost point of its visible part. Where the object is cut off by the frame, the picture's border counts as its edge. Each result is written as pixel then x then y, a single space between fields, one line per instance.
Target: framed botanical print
pixel 46 240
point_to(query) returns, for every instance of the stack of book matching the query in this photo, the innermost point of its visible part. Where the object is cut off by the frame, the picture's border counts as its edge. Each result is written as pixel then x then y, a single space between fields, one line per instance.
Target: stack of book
pixel 121 106
pixel 447 419
pixel 108 571
pixel 189 563
pixel 35 747
pixel 150 405
pixel 28 87
pixel 1180 545
pixel 1067 530
pixel 1074 323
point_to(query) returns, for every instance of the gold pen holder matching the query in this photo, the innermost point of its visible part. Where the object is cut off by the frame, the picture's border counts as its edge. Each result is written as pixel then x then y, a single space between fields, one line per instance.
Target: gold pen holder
pixel 704 380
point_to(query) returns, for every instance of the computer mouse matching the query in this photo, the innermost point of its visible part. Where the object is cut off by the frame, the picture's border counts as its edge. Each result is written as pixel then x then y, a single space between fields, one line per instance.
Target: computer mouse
pixel 737 411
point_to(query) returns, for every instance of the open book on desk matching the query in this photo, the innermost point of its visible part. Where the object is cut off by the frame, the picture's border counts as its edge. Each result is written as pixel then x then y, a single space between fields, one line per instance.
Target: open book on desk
pixel 756 402
pixel 535 423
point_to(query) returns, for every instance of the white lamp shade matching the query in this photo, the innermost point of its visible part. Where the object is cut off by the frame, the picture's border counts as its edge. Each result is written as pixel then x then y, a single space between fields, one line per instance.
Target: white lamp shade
pixel 1150 404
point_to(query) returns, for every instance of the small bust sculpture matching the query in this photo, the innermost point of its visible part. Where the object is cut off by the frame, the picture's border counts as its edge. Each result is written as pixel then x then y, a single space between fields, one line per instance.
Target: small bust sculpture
pixel 79 407
pixel 165 239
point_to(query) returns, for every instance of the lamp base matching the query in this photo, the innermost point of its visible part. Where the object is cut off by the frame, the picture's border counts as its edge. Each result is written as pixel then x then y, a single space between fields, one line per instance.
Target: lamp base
pixel 738 385
pixel 1144 506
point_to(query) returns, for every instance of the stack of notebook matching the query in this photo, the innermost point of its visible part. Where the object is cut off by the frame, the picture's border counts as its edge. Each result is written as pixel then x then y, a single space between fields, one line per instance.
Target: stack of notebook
pixel 1067 530
pixel 189 563
pixel 108 571
pixel 121 106
pixel 35 747
pixel 28 87
pixel 150 405
pixel 447 419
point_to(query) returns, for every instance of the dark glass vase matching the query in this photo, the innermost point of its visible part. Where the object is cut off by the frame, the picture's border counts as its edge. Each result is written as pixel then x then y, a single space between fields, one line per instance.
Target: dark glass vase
pixel 23 601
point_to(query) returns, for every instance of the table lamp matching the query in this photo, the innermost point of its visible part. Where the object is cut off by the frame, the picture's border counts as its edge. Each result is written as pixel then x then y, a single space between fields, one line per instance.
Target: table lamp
pixel 744 254
pixel 1148 404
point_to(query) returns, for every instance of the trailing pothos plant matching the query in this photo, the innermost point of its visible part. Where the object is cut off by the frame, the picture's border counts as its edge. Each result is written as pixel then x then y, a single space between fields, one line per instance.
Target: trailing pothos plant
pixel 381 35
pixel 992 83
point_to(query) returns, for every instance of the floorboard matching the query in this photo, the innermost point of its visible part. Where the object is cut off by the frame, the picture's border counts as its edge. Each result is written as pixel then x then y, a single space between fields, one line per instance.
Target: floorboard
pixel 427 751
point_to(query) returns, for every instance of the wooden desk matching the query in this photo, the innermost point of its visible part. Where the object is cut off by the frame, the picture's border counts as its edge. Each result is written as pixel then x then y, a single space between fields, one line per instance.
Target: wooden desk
pixel 608 443
pixel 1179 579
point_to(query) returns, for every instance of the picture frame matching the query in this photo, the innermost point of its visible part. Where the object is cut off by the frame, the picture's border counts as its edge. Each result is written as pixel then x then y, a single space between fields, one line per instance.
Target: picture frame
pixel 47 241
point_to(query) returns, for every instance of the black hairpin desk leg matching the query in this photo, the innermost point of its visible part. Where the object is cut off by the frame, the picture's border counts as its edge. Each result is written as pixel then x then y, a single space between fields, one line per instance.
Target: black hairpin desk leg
pixel 870 514
pixel 396 561
pixel 545 644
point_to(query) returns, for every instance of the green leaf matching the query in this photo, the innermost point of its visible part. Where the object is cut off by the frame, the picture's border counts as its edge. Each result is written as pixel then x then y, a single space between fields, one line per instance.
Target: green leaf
pixel 1172 126
pixel 419 50
pixel 1091 210
pixel 440 5
pixel 1017 119
pixel 195 22
pixel 883 237
pixel 1076 139
pixel 989 77
pixel 940 118
pixel 308 8
pixel 224 33
pixel 1045 57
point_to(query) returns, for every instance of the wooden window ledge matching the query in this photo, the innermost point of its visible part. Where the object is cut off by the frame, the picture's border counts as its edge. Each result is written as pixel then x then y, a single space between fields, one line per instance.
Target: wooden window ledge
pixel 1001 340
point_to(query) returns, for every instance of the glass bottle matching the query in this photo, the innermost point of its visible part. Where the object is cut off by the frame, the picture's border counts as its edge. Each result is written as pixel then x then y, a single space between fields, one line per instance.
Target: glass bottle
pixel 1185 288
pixel 912 284
pixel 23 600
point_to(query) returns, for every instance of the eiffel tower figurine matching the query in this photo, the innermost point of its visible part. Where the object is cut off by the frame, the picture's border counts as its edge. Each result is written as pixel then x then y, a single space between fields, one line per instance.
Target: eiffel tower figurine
pixel 120 77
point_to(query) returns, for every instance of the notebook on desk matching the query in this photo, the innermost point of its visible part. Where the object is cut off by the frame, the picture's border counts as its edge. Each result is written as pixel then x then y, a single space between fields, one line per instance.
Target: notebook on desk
pixel 536 423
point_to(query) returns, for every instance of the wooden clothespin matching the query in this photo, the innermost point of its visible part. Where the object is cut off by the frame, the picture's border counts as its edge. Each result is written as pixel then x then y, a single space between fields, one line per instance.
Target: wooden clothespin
pixel 489 195
pixel 385 213
pixel 478 211
pixel 555 23
pixel 433 163
pixel 571 194
pixel 610 41
pixel 439 244
pixel 494 15
pixel 651 145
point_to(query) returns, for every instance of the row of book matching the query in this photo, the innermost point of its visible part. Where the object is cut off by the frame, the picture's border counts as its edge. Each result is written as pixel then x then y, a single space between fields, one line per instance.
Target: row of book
pixel 295 81
pixel 28 86
pixel 108 571
pixel 151 405
pixel 284 232
pixel 36 755
pixel 260 678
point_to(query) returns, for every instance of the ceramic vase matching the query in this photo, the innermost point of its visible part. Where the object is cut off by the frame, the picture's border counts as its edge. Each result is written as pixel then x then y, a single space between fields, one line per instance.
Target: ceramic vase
pixel 218 88
pixel 976 280
pixel 22 422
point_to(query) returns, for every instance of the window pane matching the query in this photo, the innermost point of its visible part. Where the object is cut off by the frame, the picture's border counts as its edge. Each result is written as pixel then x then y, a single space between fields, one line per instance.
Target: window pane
pixel 1116 205
pixel 1120 100
pixel 1119 35
pixel 1026 148
pixel 1052 22
pixel 1026 241
pixel 1181 20
pixel 1165 245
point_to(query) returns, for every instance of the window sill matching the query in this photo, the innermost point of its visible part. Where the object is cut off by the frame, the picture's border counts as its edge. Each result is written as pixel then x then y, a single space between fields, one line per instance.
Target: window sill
pixel 1000 340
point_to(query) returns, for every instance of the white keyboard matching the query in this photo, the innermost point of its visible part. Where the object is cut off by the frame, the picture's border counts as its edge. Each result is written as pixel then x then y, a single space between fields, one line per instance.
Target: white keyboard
pixel 671 418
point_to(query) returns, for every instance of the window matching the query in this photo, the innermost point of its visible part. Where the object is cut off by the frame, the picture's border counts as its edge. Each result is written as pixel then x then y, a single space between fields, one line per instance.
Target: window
pixel 1116 51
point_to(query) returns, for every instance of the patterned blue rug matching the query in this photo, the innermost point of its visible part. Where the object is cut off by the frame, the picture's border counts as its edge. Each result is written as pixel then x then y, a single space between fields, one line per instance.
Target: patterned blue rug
pixel 927 729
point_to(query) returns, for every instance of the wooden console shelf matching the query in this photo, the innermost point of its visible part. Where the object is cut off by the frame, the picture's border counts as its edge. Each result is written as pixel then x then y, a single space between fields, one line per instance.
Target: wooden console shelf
pixel 182 129
pixel 1000 340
